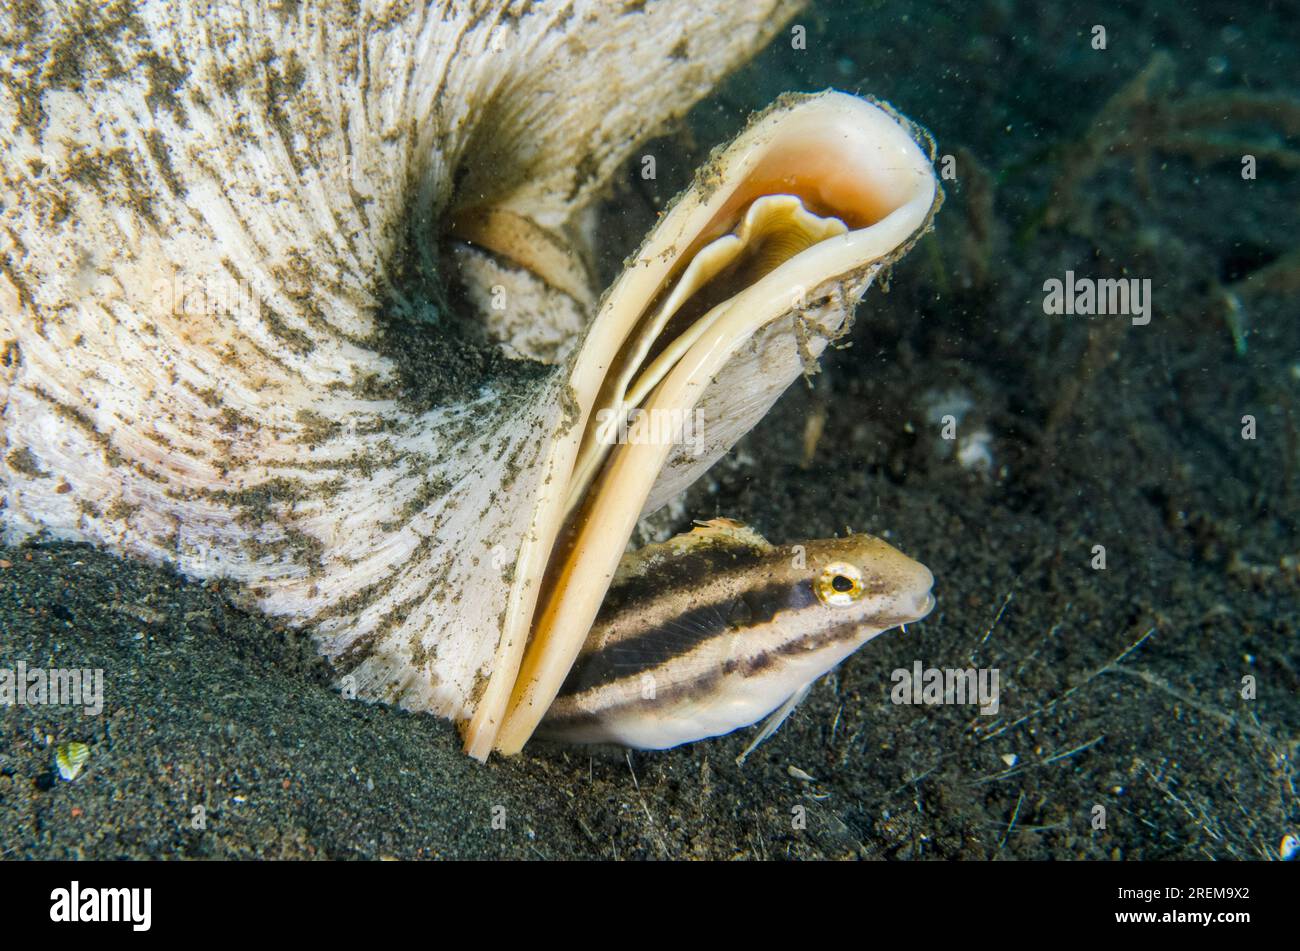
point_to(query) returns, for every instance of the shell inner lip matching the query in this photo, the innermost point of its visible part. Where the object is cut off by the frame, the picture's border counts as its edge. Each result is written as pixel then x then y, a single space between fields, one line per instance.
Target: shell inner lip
pixel 772 230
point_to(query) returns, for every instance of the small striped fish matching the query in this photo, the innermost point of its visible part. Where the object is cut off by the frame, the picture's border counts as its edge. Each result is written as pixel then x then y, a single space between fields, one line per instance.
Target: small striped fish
pixel 714 629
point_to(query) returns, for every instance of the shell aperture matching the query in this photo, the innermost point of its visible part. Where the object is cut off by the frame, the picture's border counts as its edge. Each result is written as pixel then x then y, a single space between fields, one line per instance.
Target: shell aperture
pixel 837 184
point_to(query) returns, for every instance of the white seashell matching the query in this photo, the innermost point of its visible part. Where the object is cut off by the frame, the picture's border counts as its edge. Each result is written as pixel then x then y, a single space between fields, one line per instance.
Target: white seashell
pixel 1289 847
pixel 70 758
pixel 207 258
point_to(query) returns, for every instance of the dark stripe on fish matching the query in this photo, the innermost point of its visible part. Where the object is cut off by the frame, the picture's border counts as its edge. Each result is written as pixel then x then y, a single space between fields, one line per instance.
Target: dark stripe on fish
pixel 704 685
pixel 649 649
pixel 683 572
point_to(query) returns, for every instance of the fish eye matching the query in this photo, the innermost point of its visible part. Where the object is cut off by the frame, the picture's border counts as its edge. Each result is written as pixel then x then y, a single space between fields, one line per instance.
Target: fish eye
pixel 839 583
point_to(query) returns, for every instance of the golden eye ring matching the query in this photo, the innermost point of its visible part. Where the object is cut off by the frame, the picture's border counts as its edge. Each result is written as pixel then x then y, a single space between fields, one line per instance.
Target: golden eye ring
pixel 839 584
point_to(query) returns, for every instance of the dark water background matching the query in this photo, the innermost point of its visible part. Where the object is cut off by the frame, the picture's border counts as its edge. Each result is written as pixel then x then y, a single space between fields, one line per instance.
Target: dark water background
pixel 1123 162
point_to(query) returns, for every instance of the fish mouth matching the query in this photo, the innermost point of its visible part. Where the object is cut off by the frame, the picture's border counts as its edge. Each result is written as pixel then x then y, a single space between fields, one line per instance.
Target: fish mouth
pixel 929 593
pixel 924 601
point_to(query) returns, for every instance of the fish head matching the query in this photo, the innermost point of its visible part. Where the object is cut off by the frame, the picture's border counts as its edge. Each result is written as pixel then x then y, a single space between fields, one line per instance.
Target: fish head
pixel 861 578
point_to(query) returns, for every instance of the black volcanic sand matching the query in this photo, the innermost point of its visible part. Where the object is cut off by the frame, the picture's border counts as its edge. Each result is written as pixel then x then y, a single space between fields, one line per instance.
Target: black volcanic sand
pixel 1100 433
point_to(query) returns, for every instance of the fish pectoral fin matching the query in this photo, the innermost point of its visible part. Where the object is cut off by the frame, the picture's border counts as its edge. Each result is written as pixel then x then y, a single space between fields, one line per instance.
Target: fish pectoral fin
pixel 774 720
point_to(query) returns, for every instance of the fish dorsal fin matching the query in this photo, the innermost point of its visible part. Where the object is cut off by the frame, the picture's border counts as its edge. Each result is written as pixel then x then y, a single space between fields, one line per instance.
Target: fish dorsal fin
pixel 722 531
pixel 713 533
